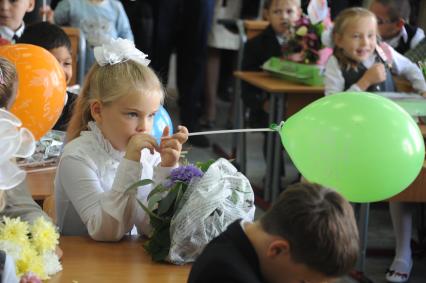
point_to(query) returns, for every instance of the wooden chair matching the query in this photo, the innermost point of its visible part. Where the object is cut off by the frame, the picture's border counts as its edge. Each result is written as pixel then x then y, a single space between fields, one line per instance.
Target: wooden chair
pixel 78 46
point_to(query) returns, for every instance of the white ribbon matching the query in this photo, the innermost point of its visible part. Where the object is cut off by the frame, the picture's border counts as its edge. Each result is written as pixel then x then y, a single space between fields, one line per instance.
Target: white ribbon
pixel 14 142
pixel 117 51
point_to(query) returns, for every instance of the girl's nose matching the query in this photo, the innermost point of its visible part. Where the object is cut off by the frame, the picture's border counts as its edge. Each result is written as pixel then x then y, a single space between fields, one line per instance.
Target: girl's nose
pixel 141 126
pixel 364 40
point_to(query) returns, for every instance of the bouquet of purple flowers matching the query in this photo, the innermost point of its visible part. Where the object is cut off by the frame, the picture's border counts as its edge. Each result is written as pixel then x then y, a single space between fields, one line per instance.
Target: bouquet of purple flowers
pixel 194 205
pixel 305 43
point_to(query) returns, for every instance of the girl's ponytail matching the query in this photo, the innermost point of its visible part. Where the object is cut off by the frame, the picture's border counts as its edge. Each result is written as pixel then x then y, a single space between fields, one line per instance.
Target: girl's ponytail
pixel 81 112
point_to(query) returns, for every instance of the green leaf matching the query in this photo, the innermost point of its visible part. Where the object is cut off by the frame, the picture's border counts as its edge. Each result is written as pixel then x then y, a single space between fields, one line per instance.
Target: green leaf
pixel 204 166
pixel 234 197
pixel 153 200
pixel 159 245
pixel 139 183
pixel 158 189
pixel 180 191
pixel 149 212
pixel 166 203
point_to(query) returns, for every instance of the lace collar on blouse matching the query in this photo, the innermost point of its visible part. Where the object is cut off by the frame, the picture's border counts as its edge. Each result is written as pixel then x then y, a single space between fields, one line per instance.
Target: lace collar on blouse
pixel 102 141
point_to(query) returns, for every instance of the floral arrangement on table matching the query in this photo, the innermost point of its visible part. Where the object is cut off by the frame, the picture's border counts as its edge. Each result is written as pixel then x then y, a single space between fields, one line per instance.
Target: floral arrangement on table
pixel 303 53
pixel 32 247
pixel 184 210
pixel 305 43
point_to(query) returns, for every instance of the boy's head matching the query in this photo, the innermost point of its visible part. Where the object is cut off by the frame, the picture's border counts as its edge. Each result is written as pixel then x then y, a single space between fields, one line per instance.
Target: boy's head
pixel 12 12
pixel 52 38
pixel 282 14
pixel 313 233
pixel 8 83
pixel 391 16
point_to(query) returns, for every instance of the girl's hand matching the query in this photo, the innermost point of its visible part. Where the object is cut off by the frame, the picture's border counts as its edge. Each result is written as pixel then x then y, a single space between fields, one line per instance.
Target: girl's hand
pixel 171 146
pixel 423 94
pixel 47 13
pixel 374 75
pixel 137 143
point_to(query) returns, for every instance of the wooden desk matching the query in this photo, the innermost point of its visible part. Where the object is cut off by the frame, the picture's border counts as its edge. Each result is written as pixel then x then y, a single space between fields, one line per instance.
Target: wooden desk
pixel 40 181
pixel 286 98
pixel 86 260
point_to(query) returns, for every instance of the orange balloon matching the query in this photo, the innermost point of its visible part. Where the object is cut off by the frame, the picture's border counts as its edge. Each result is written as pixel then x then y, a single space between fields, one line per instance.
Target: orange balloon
pixel 41 87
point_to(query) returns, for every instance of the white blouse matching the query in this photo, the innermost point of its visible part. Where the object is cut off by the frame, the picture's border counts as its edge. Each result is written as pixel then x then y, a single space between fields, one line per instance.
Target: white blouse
pixel 91 183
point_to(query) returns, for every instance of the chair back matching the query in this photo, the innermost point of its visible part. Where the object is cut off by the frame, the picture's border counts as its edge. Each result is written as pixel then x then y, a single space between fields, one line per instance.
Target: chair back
pixel 78 46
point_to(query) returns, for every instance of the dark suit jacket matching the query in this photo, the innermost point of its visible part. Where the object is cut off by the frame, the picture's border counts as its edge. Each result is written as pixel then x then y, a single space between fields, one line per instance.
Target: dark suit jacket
pixel 229 258
pixel 256 51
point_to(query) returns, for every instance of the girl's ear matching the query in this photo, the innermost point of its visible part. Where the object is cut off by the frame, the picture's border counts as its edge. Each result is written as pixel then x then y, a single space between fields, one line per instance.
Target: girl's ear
pixel 337 39
pixel 96 111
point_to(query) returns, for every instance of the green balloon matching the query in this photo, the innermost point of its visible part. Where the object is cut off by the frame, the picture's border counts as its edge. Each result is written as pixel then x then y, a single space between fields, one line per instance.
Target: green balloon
pixel 362 145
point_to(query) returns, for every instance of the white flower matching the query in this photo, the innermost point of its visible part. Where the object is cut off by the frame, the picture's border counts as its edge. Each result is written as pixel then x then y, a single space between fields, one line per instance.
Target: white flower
pixel 119 50
pixel 14 142
pixel 12 249
pixel 51 263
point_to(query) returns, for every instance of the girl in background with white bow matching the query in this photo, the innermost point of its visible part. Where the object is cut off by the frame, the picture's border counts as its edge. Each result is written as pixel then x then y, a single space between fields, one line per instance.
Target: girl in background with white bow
pixel 110 147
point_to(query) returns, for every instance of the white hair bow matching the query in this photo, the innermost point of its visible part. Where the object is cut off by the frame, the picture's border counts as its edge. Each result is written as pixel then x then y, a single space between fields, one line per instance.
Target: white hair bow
pixel 117 51
pixel 14 142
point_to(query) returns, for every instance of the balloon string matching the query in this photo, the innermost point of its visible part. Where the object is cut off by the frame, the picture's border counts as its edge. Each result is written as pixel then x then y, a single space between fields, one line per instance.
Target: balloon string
pixel 231 131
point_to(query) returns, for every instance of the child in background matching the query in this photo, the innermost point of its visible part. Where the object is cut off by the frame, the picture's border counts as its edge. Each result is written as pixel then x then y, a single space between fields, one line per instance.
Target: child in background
pixel 19 202
pixel 7 263
pixel 392 18
pixel 56 41
pixel 359 63
pixel 308 235
pixel 12 13
pixel 281 14
pixel 110 147
pixel 99 20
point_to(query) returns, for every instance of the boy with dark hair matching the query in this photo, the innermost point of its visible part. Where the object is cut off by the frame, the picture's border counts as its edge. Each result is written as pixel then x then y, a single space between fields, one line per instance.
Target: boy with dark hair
pixel 308 235
pixel 52 38
pixel 392 18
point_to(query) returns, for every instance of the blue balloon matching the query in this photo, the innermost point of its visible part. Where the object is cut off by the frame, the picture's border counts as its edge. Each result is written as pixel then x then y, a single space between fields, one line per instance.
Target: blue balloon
pixel 161 120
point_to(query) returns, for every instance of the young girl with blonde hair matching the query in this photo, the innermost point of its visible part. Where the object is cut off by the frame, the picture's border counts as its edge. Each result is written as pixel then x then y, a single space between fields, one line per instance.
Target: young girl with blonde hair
pixel 110 147
pixel 361 63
